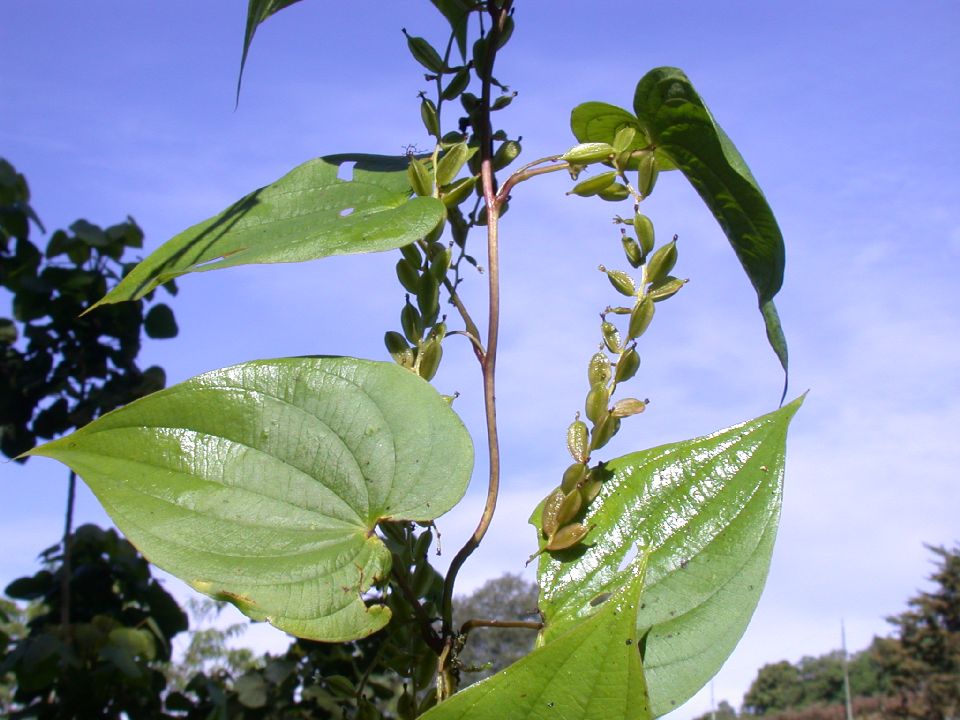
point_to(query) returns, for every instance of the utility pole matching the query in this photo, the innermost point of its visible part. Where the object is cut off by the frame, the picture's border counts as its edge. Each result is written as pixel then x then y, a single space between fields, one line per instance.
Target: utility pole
pixel 846 671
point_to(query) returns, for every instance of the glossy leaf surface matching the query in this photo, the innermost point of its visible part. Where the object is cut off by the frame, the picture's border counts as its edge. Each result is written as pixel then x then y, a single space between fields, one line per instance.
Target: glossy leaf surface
pixel 307 214
pixel 257 12
pixel 706 512
pixel 593 671
pixel 680 125
pixel 262 483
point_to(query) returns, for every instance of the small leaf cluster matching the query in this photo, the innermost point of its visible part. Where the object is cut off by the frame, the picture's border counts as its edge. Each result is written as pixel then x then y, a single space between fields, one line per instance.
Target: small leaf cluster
pixel 59 370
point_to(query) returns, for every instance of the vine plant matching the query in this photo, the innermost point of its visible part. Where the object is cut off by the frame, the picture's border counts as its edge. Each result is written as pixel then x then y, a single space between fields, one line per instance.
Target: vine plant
pixel 303 490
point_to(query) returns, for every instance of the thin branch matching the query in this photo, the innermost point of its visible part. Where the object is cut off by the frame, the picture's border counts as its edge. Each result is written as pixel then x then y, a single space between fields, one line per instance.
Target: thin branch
pixel 521 175
pixel 472 330
pixel 489 362
pixel 525 624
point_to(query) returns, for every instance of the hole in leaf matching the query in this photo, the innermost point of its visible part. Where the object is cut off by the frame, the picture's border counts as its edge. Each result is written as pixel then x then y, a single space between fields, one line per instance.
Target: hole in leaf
pixel 345 212
pixel 628 558
pixel 345 170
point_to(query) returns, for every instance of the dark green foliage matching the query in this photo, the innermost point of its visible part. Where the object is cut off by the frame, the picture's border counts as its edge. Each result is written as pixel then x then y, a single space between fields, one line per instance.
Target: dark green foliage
pixel 103 663
pixel 813 681
pixel 923 660
pixel 60 369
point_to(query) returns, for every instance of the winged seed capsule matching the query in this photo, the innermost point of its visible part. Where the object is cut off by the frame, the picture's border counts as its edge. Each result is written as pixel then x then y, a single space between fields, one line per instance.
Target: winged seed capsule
pixel 577 440
pixel 548 516
pixel 621 282
pixel 572 502
pixel 662 262
pixel 611 337
pixel 627 407
pixel 586 153
pixel 599 369
pixel 593 185
pixel 573 476
pixel 647 174
pixel 567 537
pixel 596 402
pixel 641 317
pixel 627 366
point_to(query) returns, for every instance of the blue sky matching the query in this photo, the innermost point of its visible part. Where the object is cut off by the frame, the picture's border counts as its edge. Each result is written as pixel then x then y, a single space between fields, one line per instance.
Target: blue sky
pixel 846 113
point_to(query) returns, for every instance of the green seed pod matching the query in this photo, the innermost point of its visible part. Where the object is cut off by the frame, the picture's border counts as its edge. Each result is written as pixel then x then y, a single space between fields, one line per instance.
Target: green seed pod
pixel 586 153
pixel 614 193
pixel 598 370
pixel 424 53
pixel 647 174
pixel 428 114
pixel 623 138
pixel 603 431
pixel 438 331
pixel 644 227
pixel 419 178
pixel 591 488
pixel 506 32
pixel 632 250
pixel 618 310
pixel 567 537
pixel 572 502
pixel 548 516
pixel 641 317
pixel 412 255
pixel 440 263
pixel 627 407
pixel 506 154
pixel 451 163
pixel 480 57
pixel 411 323
pixel 621 282
pixel 430 354
pixel 501 102
pixel 455 193
pixel 611 337
pixel 408 277
pixel 573 476
pixel 428 299
pixel 577 440
pixel 457 84
pixel 593 185
pixel 627 366
pixel 662 262
pixel 596 402
pixel 668 287
pixel 398 348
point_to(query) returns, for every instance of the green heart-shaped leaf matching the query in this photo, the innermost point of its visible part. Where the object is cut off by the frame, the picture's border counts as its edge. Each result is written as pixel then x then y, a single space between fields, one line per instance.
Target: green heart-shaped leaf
pixel 262 483
pixel 307 214
pixel 680 125
pixel 705 511
pixel 593 671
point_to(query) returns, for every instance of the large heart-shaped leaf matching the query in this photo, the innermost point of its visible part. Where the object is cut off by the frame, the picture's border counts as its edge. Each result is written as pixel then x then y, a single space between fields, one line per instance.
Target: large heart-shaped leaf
pixel 257 12
pixel 680 125
pixel 705 511
pixel 262 483
pixel 307 214
pixel 593 671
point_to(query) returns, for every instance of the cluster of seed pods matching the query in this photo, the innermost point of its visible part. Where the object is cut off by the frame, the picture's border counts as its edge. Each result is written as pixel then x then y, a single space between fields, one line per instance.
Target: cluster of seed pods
pixel 580 483
pixel 418 347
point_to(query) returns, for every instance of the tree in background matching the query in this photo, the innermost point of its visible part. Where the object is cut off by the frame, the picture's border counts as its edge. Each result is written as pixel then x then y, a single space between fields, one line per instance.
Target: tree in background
pixel 104 664
pixel 491 649
pixel 923 660
pixel 813 681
